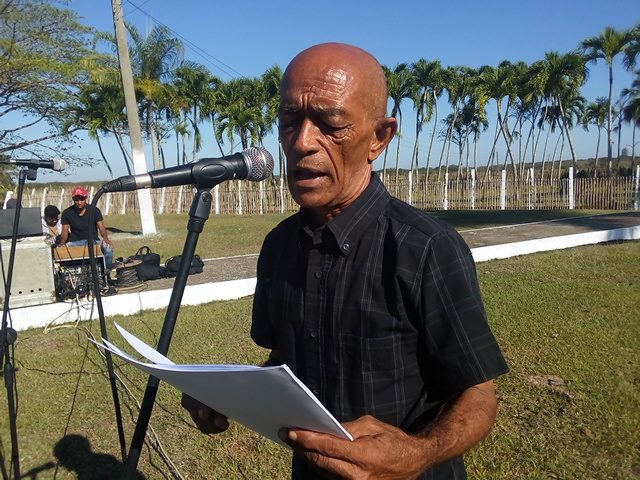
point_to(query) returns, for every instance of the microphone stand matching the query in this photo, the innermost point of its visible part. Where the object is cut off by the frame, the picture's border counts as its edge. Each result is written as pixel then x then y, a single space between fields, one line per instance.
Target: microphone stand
pixel 198 215
pixel 8 335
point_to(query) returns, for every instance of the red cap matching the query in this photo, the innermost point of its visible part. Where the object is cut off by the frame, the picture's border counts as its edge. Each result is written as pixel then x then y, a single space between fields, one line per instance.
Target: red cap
pixel 79 192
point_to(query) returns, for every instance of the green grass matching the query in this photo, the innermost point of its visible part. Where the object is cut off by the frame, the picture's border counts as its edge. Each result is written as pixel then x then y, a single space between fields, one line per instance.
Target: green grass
pixel 571 314
pixel 225 235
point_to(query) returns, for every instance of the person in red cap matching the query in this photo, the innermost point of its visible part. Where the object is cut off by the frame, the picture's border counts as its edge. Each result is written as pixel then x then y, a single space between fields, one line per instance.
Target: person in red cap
pixel 75 225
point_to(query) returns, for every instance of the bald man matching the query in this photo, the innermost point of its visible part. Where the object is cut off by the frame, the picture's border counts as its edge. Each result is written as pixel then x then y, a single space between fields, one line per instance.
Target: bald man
pixel 372 303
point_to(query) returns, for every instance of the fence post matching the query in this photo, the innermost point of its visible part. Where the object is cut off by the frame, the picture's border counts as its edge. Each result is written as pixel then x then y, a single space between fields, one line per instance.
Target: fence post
pixel 503 191
pixel 572 200
pixel 239 197
pixel 636 201
pixel 123 210
pixel 33 192
pixel 445 201
pixel 91 192
pixel 162 200
pixel 179 206
pixel 532 186
pixel 43 201
pixel 410 199
pixel 216 196
pixel 281 194
pixel 7 197
pixel 107 206
pixel 473 189
pixel 261 187
pixel 60 199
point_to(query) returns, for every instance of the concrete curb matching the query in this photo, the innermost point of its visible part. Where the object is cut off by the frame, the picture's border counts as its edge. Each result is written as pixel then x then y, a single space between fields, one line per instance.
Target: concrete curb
pixel 132 303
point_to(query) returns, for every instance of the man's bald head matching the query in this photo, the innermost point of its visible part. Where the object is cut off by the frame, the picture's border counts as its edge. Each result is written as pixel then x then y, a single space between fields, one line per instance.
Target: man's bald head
pixel 338 59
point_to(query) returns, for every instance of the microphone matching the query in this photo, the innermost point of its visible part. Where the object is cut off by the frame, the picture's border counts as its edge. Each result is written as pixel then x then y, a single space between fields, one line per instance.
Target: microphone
pixel 56 164
pixel 253 164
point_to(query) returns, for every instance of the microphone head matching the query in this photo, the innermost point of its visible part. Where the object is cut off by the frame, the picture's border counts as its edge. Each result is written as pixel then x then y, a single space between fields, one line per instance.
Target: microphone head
pixel 59 164
pixel 259 163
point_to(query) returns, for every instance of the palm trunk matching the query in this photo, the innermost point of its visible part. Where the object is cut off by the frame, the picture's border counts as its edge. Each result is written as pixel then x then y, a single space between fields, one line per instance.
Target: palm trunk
pixel 106 162
pixel 567 129
pixel 123 151
pixel 595 169
pixel 433 134
pixel 609 117
pixel 492 152
pixel 398 147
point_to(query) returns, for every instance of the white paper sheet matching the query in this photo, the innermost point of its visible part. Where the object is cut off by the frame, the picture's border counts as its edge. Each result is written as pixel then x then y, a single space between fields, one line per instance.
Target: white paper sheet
pixel 264 399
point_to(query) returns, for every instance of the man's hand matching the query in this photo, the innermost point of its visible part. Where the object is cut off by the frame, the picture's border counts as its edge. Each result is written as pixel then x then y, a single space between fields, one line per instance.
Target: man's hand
pixel 378 450
pixel 383 451
pixel 206 419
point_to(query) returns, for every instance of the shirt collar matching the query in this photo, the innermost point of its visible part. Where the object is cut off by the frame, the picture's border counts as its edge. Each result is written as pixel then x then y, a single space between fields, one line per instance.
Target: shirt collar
pixel 348 226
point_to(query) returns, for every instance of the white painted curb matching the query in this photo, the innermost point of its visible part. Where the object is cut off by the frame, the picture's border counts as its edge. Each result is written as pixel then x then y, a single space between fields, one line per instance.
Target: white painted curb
pixel 507 250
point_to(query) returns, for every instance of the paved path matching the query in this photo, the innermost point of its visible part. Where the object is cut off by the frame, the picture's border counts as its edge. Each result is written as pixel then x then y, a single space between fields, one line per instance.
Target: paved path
pixel 233 268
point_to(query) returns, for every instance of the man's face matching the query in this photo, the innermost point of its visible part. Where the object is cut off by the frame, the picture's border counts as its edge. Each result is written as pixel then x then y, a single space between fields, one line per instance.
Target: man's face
pixel 52 221
pixel 326 134
pixel 80 202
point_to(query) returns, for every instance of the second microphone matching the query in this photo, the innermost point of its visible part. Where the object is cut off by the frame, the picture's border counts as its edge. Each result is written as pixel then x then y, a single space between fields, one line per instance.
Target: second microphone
pixel 253 164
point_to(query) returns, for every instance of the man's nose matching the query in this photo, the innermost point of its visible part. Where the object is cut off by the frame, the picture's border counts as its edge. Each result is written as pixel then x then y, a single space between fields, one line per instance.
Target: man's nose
pixel 307 136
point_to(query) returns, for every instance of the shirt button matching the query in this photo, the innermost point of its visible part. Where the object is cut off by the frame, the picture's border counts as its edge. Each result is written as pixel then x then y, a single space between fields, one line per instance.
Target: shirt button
pixel 316 391
pixel 346 247
pixel 318 275
pixel 313 334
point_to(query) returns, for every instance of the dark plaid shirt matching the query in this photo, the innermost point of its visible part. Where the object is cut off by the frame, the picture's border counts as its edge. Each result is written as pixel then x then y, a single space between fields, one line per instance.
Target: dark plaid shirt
pixel 378 312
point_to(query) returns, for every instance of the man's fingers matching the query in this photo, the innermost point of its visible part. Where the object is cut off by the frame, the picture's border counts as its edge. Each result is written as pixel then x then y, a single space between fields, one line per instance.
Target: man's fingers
pixel 206 419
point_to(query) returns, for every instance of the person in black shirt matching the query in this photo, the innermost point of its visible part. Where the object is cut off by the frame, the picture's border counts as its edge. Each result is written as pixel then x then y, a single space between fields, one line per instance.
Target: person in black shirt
pixel 75 226
pixel 374 304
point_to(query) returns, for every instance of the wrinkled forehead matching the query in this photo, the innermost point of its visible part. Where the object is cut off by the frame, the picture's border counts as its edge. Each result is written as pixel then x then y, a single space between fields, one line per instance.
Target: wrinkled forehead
pixel 317 78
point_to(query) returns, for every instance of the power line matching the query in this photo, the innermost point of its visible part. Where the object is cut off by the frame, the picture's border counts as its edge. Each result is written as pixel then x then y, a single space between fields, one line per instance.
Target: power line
pixel 226 69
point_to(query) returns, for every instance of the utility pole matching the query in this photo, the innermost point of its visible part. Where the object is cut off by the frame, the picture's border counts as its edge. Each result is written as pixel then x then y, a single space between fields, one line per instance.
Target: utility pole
pixel 139 163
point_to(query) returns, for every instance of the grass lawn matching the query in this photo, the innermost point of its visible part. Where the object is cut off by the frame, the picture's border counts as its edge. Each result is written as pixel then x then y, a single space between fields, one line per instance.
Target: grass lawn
pixel 568 322
pixel 225 235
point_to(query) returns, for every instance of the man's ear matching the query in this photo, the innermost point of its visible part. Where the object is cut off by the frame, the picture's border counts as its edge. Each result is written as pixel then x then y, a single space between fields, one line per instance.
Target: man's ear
pixel 383 134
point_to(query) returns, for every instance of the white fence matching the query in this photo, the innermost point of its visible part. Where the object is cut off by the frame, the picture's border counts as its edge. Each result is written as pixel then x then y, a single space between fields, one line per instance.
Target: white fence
pixel 272 196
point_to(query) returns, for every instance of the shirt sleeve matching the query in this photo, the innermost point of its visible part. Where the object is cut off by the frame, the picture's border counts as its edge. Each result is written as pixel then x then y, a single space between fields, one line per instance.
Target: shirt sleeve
pixel 64 218
pixel 98 215
pixel 461 348
pixel 261 330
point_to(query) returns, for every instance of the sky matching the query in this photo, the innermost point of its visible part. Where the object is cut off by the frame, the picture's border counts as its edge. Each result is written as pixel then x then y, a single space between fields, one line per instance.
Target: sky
pixel 235 39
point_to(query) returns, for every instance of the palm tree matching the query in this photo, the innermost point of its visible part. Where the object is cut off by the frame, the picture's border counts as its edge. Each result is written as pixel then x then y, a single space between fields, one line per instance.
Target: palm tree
pixel 400 85
pixel 562 75
pixel 195 84
pixel 429 83
pixel 607 46
pixel 240 112
pixel 99 110
pixel 631 112
pixel 596 114
pixel 459 83
pixel 153 59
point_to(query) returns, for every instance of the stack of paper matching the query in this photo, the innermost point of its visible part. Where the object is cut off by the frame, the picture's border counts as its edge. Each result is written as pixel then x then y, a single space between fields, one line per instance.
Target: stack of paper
pixel 265 399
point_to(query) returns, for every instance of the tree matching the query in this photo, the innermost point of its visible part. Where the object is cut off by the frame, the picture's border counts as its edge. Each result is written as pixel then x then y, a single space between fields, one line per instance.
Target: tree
pixel 400 85
pixel 596 114
pixel 153 59
pixel 607 46
pixel 631 112
pixel 41 48
pixel 195 85
pixel 428 87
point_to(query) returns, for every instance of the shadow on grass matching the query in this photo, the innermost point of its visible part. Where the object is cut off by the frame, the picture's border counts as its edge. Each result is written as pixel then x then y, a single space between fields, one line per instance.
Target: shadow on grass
pixel 74 453
pixel 118 230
